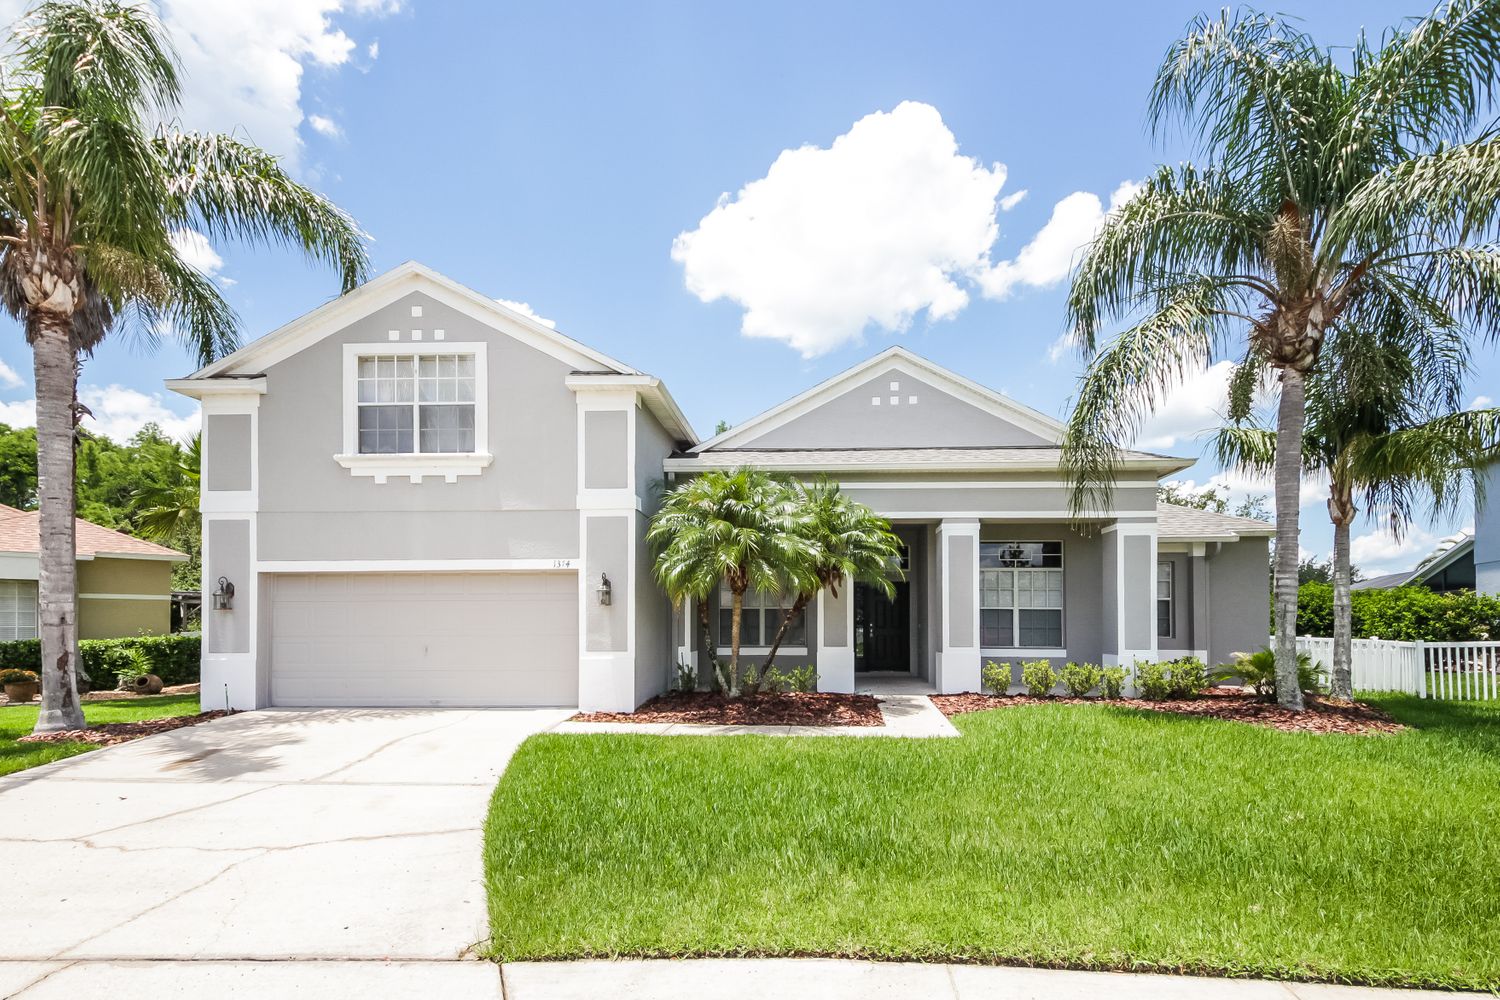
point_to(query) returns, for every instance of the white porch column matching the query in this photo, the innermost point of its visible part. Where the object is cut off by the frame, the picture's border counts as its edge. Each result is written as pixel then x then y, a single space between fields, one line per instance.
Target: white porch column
pixel 1130 592
pixel 958 585
pixel 835 639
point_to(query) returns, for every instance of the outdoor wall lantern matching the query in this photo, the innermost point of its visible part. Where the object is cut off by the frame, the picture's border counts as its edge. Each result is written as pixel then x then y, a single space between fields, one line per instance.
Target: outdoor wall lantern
pixel 224 595
pixel 604 590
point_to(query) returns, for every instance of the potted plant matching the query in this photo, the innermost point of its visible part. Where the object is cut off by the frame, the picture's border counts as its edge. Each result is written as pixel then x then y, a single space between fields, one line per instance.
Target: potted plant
pixel 135 675
pixel 20 685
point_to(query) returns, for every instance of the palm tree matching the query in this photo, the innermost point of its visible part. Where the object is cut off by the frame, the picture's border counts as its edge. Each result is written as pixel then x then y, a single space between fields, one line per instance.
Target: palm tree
pixel 165 510
pixel 91 194
pixel 1371 428
pixel 731 526
pixel 1341 187
pixel 846 540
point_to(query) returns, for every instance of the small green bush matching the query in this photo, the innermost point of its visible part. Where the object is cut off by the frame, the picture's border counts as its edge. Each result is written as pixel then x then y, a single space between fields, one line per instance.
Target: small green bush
pixel 1151 681
pixel 1039 676
pixel 1187 676
pixel 13 675
pixel 800 679
pixel 1081 678
pixel 1257 670
pixel 1112 681
pixel 174 658
pixel 995 677
pixel 685 676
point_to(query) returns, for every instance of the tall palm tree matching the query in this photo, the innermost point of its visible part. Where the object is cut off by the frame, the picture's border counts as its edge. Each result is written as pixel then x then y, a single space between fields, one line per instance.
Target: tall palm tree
pixel 735 527
pixel 1381 425
pixel 91 193
pixel 1339 187
pixel 845 540
pixel 165 510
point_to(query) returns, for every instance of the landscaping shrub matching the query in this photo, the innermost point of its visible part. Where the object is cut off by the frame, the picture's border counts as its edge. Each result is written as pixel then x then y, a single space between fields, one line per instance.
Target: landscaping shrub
pixel 1258 671
pixel 1187 676
pixel 800 679
pixel 1081 678
pixel 995 677
pixel 685 677
pixel 1039 677
pixel 1404 613
pixel 1112 682
pixel 173 658
pixel 1152 681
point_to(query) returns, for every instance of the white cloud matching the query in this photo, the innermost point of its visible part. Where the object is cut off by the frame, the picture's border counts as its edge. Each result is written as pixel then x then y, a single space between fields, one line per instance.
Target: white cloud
pixel 118 412
pixel 1378 552
pixel 873 229
pixel 525 309
pixel 1481 402
pixel 374 49
pixel 1238 486
pixel 8 377
pixel 1010 201
pixel 1193 407
pixel 1053 251
pixel 324 125
pixel 195 250
pixel 1061 347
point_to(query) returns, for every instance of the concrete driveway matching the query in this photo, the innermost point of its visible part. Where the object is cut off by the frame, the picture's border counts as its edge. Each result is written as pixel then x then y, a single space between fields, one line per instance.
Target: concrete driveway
pixel 244 845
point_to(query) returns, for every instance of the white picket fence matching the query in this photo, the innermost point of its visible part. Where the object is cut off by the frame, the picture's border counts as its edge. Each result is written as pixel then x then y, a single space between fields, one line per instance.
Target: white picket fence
pixel 1446 670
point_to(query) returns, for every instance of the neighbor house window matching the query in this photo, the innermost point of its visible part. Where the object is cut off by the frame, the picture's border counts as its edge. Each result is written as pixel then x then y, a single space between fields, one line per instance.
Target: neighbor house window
pixel 760 619
pixel 17 610
pixel 416 404
pixel 1165 620
pixel 1020 594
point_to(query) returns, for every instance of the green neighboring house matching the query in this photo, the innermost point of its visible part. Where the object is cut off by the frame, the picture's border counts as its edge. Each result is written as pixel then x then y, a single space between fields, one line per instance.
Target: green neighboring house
pixel 124 583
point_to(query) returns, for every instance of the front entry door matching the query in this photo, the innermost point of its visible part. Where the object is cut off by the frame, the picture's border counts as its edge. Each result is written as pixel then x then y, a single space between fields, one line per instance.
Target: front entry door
pixel 882 629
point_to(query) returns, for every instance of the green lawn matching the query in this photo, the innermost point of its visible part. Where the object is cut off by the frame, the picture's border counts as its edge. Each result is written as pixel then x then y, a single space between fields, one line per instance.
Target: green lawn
pixel 18 720
pixel 1086 836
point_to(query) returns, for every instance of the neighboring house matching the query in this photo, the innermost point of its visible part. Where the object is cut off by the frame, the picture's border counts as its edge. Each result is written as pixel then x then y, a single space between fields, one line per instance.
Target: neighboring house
pixel 124 583
pixel 1449 566
pixel 419 496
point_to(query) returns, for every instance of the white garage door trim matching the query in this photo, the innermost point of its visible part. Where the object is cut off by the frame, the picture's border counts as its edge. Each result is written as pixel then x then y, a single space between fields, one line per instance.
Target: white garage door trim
pixel 423 639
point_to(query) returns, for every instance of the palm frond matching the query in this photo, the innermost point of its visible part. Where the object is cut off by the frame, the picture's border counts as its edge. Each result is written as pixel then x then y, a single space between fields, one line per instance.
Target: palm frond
pixel 90 52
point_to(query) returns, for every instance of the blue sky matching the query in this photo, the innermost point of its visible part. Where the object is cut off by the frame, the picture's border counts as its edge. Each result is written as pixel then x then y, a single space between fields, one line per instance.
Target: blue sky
pixel 551 154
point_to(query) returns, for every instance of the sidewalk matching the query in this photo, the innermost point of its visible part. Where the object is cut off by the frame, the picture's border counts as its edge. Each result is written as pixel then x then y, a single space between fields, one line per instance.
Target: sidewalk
pixel 832 979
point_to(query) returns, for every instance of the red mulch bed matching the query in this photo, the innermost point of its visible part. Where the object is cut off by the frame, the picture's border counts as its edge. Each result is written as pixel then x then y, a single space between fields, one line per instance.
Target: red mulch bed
pixel 111 733
pixel 1233 705
pixel 793 709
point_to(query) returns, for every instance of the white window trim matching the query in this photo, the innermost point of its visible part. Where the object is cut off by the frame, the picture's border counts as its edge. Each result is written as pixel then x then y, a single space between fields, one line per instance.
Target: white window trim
pixel 800 649
pixel 763 650
pixel 1035 652
pixel 1170 598
pixel 414 467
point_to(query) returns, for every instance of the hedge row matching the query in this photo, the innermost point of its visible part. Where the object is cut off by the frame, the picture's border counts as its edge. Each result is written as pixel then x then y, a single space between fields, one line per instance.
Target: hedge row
pixel 1405 613
pixel 174 658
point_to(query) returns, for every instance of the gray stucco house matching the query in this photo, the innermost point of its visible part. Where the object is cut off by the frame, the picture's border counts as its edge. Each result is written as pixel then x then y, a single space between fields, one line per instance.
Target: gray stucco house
pixel 417 495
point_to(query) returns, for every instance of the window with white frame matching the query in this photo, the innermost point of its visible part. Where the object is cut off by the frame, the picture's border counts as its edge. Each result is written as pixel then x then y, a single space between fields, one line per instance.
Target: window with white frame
pixel 1166 622
pixel 1021 595
pixel 759 619
pixel 17 610
pixel 415 404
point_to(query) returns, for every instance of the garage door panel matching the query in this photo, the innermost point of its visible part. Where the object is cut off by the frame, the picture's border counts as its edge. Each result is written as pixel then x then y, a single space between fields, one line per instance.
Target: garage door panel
pixel 424 639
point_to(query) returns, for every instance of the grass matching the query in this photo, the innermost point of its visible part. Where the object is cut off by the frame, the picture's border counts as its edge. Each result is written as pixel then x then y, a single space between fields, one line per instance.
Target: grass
pixel 1092 837
pixel 17 721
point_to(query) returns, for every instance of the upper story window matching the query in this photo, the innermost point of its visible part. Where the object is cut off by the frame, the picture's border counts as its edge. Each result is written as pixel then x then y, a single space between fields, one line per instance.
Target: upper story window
pixel 416 404
pixel 415 412
pixel 1021 594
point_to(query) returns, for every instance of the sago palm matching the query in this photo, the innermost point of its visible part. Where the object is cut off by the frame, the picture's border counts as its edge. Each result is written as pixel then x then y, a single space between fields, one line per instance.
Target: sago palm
pixel 1381 426
pixel 91 193
pixel 735 527
pixel 846 541
pixel 1337 186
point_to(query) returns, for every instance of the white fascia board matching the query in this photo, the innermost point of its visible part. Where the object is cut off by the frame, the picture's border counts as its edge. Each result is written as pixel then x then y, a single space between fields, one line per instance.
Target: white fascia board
pixel 402 280
pixel 197 388
pixel 652 392
pixel 148 556
pixel 1455 552
pixel 919 367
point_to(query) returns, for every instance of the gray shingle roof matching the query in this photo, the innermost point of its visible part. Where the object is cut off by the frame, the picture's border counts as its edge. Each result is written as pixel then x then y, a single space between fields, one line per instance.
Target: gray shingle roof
pixel 1175 523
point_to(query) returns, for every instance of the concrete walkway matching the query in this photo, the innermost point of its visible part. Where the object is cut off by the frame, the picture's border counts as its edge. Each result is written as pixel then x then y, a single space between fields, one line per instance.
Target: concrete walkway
pixel 912 716
pixel 346 834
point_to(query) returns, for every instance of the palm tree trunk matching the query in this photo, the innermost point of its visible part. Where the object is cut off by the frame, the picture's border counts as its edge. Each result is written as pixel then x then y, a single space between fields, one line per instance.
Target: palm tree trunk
pixel 1291 415
pixel 706 638
pixel 737 607
pixel 1341 509
pixel 786 623
pixel 53 357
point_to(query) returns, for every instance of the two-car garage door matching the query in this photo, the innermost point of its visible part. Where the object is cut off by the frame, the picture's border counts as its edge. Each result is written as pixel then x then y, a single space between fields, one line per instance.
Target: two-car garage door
pixel 424 639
